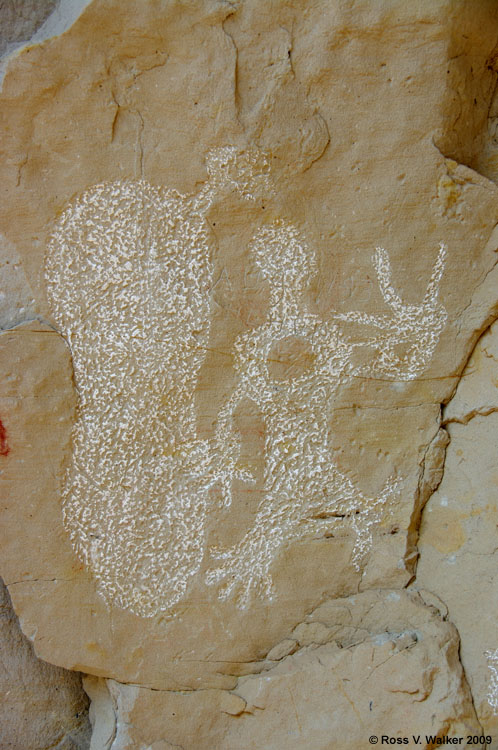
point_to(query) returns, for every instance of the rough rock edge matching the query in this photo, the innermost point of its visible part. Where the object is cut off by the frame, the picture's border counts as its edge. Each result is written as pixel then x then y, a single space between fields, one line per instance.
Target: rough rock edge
pixel 59 20
pixel 464 419
pixel 65 13
pixel 433 462
pixel 109 725
pixel 74 737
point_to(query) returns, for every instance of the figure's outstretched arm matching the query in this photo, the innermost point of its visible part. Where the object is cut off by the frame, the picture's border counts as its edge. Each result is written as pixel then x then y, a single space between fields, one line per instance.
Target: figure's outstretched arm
pixel 354 316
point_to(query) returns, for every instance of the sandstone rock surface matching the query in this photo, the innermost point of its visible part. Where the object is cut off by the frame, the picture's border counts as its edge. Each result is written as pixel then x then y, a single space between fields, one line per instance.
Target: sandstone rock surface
pixel 27 22
pixel 364 665
pixel 248 249
pixel 41 706
pixel 20 20
pixel 458 536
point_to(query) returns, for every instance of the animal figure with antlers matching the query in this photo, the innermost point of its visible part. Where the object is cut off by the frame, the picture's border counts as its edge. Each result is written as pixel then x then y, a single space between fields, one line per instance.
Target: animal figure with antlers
pixel 303 490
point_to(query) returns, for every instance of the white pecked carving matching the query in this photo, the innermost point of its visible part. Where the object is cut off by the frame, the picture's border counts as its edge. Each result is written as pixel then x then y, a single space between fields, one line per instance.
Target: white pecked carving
pixel 129 275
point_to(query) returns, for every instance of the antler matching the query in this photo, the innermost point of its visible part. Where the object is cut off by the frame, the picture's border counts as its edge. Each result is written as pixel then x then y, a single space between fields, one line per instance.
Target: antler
pixel 432 293
pixel 383 268
pixel 384 275
pixel 418 326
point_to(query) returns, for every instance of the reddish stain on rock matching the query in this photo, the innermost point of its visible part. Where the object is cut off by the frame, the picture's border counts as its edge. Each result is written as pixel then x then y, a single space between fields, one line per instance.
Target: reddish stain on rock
pixel 4 446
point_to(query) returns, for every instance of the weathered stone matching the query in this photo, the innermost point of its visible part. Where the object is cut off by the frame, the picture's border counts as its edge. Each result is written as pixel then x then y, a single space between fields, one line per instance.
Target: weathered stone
pixel 251 253
pixel 458 541
pixel 20 19
pixel 27 22
pixel 16 297
pixel 41 706
pixel 391 667
pixel 284 648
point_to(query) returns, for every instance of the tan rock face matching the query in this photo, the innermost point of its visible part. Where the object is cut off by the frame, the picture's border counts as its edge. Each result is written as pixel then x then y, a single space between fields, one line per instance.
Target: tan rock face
pixel 364 665
pixel 20 20
pixel 41 706
pixel 458 533
pixel 251 254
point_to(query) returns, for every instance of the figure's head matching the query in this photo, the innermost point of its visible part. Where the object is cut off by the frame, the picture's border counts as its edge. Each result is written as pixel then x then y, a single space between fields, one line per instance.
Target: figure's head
pixel 283 257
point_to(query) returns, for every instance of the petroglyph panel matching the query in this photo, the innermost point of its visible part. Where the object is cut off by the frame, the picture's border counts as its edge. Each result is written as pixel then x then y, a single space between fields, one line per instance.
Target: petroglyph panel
pixel 129 275
pixel 242 281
